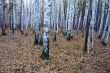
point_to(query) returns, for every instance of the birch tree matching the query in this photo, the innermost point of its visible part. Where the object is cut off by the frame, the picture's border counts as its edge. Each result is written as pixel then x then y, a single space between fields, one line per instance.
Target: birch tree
pixel 87 37
pixel 62 13
pixel 47 9
pixel 98 15
pixel 32 6
pixel 76 13
pixel 81 19
pixel 86 14
pixel 36 21
pixel 54 19
pixel 26 16
pixel 14 16
pixel 90 27
pixel 22 17
pixel 56 6
pixel 93 21
pixel 102 19
pixel 106 33
pixel 67 17
pixel 2 16
pixel 70 20
pixel 6 13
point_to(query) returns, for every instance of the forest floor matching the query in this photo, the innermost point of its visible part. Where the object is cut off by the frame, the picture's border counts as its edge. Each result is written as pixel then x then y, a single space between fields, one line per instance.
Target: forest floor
pixel 19 55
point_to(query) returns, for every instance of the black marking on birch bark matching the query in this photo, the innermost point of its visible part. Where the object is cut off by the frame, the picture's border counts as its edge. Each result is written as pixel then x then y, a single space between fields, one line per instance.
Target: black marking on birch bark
pixel 41 40
pixel 36 40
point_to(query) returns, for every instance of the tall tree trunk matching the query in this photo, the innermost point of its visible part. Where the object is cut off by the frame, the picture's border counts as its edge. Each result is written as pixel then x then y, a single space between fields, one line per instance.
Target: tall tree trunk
pixel 26 17
pixel 106 33
pixel 37 22
pixel 56 19
pixel 87 37
pixel 14 16
pixel 70 20
pixel 67 17
pixel 2 16
pixel 47 7
pixel 22 17
pixel 85 15
pixel 97 15
pixel 102 20
pixel 93 21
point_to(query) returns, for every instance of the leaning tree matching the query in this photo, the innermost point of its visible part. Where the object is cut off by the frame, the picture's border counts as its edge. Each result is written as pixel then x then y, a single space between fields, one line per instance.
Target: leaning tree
pixel 106 31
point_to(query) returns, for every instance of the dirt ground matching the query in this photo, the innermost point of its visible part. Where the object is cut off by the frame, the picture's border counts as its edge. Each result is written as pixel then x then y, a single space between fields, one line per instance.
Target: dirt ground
pixel 19 55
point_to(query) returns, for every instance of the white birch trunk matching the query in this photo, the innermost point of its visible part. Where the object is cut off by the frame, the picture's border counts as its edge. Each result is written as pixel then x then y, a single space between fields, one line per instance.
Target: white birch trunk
pixel 14 15
pixel 102 18
pixel 86 13
pixel 70 20
pixel 106 28
pixel 22 16
pixel 93 21
pixel 2 16
pixel 37 21
pixel 47 19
